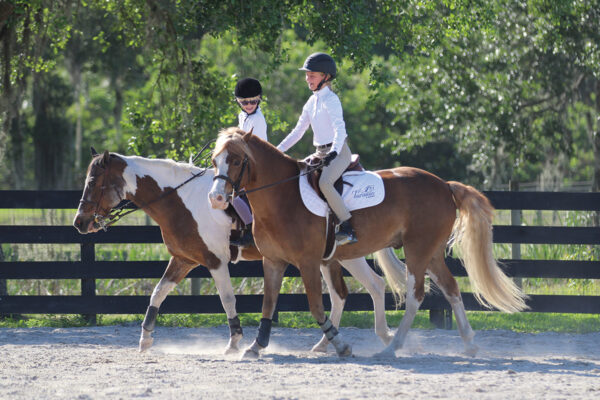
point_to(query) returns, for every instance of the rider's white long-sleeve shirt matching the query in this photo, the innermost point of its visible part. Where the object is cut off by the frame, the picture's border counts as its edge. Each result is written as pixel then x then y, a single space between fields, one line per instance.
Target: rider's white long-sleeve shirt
pixel 323 112
pixel 255 121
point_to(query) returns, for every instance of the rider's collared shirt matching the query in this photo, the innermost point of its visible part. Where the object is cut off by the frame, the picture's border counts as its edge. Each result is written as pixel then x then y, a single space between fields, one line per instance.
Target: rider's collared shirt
pixel 323 112
pixel 255 121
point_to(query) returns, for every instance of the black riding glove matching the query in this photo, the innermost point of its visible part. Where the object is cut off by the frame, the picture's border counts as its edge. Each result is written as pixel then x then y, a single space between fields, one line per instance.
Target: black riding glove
pixel 329 157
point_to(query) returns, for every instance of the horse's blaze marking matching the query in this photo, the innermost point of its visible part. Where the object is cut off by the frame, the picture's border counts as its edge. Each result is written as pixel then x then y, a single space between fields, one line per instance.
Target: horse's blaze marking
pixel 222 167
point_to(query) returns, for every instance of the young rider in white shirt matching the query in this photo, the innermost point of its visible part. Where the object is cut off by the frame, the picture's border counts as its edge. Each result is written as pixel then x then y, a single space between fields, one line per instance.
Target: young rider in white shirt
pixel 323 112
pixel 248 94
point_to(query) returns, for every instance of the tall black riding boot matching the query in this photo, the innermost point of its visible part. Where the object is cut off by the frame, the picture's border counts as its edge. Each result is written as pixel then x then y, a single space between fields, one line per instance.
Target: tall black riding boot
pixel 245 239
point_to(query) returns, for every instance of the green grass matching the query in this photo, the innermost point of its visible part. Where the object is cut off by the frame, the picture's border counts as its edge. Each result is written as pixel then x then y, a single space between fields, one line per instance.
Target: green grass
pixel 520 322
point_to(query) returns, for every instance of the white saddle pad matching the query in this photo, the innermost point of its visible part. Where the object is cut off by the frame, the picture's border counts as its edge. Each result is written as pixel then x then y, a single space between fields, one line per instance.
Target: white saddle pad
pixel 366 191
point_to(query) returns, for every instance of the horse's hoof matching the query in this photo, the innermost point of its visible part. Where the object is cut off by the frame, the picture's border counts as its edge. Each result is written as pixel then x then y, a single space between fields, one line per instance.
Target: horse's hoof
pixel 387 337
pixel 145 344
pixel 471 350
pixel 388 352
pixel 345 351
pixel 232 346
pixel 250 354
pixel 320 347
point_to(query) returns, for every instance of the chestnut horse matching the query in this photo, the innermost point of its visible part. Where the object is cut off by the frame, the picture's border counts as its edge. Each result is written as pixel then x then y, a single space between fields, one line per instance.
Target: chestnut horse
pixel 194 233
pixel 418 213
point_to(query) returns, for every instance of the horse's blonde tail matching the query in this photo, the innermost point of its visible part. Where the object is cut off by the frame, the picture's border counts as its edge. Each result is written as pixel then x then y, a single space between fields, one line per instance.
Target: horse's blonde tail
pixel 394 271
pixel 472 237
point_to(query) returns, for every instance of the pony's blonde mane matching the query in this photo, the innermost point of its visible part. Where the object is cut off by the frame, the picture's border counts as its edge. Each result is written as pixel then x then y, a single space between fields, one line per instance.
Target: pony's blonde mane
pixel 232 139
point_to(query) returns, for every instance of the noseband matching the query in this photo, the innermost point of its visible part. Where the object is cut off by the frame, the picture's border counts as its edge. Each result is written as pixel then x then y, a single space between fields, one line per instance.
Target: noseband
pixel 235 184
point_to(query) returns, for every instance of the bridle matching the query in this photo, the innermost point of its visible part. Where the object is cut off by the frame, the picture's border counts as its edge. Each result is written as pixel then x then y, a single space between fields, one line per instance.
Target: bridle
pixel 100 220
pixel 235 184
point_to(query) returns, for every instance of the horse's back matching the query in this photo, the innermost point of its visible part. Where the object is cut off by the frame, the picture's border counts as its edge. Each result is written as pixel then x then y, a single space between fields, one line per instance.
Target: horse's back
pixel 421 195
pixel 415 180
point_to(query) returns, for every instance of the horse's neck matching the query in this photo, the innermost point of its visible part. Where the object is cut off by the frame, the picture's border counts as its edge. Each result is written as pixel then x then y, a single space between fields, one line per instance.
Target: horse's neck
pixel 272 167
pixel 148 179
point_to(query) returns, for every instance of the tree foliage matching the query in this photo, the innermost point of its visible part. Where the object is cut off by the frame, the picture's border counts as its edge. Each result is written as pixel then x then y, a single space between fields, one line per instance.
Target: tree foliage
pixel 472 90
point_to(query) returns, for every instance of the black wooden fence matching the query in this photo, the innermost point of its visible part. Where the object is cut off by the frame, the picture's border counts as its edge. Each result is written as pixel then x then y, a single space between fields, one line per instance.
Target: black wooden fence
pixel 88 269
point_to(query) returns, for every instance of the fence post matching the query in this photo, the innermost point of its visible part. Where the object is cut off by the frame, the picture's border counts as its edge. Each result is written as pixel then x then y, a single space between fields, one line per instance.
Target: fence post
pixel 195 286
pixel 515 220
pixel 3 287
pixel 88 285
pixel 441 318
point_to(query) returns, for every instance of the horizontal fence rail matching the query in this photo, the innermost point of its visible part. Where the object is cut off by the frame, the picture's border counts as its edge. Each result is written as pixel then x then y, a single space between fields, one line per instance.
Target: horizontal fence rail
pixel 88 269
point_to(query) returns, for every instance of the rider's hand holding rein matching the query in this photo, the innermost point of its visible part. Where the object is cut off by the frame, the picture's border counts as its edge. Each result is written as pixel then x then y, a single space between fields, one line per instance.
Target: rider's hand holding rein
pixel 329 157
pixel 323 112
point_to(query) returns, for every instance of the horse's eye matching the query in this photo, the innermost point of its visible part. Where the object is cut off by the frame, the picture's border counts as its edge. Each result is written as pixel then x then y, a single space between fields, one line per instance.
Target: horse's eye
pixel 236 162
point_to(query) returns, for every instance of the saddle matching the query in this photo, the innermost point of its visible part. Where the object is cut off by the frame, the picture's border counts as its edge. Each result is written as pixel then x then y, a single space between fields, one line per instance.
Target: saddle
pixel 313 177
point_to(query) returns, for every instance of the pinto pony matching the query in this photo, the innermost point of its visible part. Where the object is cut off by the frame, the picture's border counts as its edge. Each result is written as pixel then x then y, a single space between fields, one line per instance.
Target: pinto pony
pixel 418 213
pixel 193 232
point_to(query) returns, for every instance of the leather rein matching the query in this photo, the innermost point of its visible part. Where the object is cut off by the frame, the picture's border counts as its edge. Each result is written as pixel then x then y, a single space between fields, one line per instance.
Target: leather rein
pixel 236 192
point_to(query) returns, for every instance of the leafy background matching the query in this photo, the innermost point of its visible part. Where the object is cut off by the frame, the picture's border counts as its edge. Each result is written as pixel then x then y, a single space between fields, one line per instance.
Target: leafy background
pixel 479 91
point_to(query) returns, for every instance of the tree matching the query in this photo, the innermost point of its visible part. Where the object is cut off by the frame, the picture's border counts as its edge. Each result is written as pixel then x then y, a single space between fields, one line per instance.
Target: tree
pixel 31 32
pixel 498 85
pixel 503 93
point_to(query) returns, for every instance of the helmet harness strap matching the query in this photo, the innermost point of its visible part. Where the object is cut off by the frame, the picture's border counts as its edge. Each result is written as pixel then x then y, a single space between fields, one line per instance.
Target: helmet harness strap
pixel 324 80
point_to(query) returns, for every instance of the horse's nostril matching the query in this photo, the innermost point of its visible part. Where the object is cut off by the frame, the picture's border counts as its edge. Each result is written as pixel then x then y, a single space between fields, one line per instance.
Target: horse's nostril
pixel 220 197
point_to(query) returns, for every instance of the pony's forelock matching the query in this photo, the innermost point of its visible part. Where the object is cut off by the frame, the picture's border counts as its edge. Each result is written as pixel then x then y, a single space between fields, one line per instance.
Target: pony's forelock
pixel 232 139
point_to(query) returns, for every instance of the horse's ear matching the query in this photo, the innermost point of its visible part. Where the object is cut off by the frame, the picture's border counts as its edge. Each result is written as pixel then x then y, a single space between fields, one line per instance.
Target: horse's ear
pixel 94 152
pixel 248 135
pixel 105 157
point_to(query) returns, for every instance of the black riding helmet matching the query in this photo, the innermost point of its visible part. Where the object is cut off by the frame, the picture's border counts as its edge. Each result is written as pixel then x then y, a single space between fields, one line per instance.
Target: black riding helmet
pixel 247 87
pixel 320 62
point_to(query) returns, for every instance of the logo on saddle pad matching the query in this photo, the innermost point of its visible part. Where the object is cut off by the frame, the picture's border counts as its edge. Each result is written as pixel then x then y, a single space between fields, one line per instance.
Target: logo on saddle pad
pixel 365 189
pixel 364 192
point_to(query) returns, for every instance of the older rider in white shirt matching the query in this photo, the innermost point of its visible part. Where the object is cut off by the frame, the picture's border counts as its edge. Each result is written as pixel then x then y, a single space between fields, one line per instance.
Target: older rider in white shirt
pixel 323 112
pixel 248 94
